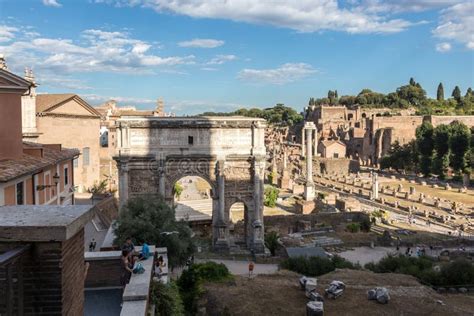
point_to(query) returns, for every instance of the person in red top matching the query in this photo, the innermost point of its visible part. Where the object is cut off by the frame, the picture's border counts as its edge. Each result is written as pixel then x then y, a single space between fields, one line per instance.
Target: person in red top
pixel 251 266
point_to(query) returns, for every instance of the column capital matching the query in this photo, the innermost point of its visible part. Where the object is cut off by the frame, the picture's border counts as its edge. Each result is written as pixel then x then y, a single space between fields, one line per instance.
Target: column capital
pixel 309 126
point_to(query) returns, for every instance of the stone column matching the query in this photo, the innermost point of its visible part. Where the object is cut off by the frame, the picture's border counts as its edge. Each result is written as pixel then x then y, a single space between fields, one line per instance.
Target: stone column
pixel 219 222
pixel 375 185
pixel 303 146
pixel 221 189
pixel 257 239
pixel 161 178
pixel 309 187
pixel 123 181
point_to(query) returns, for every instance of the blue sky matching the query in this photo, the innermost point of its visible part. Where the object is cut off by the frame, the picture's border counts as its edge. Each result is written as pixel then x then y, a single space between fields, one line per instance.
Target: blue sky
pixel 214 55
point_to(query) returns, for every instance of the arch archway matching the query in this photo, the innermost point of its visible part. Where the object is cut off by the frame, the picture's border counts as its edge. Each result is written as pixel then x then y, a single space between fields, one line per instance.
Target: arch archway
pixel 193 199
pixel 228 153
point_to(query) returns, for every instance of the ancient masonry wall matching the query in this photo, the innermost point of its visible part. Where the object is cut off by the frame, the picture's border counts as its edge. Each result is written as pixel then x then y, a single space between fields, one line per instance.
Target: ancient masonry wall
pixel 332 165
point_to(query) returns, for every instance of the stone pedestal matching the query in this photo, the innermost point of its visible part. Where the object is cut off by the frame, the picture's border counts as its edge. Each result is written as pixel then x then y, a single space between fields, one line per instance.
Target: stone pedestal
pixel 284 181
pixel 309 192
pixel 305 207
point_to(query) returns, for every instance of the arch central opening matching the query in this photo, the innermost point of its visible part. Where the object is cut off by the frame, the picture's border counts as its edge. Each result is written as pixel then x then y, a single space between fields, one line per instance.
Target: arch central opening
pixel 238 223
pixel 192 199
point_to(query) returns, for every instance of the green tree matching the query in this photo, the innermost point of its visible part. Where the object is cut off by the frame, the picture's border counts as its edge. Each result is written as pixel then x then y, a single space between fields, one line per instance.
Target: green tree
pixel 400 157
pixel 149 219
pixel 415 95
pixel 459 146
pixel 440 92
pixel 456 94
pixel 336 95
pixel 270 196
pixel 441 135
pixel 271 241
pixel 424 143
pixel 166 299
pixel 177 190
pixel 412 82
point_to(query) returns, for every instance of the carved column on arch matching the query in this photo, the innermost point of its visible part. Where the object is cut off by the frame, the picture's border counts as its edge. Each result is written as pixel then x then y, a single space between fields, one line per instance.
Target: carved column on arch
pixel 256 239
pixel 220 229
pixel 123 169
pixel 161 178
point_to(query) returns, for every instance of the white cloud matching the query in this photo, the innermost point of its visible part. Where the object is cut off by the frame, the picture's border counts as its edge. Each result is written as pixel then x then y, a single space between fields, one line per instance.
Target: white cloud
pixel 457 24
pixel 395 6
pixel 62 82
pixel 7 33
pixel 187 107
pixel 286 73
pixel 96 99
pixel 52 3
pixel 221 59
pixel 301 15
pixel 443 47
pixel 202 43
pixel 209 69
pixel 98 51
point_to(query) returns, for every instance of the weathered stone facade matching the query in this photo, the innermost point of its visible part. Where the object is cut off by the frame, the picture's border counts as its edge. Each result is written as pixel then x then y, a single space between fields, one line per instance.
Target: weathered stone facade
pixel 229 153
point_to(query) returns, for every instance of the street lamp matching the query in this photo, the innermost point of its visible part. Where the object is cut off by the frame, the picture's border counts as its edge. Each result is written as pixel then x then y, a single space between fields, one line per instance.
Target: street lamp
pixel 41 187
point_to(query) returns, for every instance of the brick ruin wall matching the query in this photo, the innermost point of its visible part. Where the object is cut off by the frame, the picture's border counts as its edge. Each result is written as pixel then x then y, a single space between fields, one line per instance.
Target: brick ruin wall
pixel 285 224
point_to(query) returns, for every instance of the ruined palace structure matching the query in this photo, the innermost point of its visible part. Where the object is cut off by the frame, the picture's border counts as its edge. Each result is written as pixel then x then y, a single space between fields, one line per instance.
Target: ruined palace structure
pixel 228 152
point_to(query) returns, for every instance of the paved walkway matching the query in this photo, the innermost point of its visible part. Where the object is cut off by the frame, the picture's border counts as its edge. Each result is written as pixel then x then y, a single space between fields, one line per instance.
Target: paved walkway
pixel 241 267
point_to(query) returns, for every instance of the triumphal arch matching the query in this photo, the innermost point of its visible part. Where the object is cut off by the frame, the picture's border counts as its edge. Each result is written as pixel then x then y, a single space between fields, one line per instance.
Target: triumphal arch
pixel 229 152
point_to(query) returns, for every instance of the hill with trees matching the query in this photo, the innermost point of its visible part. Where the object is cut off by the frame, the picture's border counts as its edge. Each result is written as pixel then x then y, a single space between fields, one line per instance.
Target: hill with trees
pixel 407 96
pixel 278 115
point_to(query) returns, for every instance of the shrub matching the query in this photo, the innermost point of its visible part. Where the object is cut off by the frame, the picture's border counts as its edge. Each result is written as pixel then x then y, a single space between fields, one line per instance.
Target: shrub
pixel 178 189
pixel 271 195
pixel 458 272
pixel 271 241
pixel 211 271
pixel 353 227
pixel 190 282
pixel 166 299
pixel 365 225
pixel 99 187
pixel 316 266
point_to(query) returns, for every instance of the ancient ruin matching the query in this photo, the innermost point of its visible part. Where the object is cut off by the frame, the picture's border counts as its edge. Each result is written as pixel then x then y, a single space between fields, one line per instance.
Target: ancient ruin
pixel 228 152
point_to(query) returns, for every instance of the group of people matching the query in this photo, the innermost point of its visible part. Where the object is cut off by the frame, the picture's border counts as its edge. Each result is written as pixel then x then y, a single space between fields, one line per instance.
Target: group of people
pixel 130 260
pixel 419 251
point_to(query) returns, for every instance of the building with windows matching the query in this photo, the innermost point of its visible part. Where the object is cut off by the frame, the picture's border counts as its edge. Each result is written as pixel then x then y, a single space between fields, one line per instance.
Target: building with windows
pixel 69 120
pixel 30 173
pixel 332 149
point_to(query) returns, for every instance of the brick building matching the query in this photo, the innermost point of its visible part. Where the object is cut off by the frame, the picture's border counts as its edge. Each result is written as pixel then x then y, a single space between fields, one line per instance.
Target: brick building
pixel 69 120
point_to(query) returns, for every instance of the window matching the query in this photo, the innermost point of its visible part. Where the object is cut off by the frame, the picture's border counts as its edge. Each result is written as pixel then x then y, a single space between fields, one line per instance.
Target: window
pixel 76 163
pixel 66 175
pixel 190 140
pixel 20 199
pixel 85 156
pixel 336 155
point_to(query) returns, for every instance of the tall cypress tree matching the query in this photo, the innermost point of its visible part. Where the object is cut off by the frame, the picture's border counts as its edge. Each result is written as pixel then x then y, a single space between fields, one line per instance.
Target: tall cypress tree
pixel 440 92
pixel 456 94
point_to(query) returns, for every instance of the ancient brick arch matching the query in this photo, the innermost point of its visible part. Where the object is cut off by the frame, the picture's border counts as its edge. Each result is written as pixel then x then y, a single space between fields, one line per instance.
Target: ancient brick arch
pixel 229 153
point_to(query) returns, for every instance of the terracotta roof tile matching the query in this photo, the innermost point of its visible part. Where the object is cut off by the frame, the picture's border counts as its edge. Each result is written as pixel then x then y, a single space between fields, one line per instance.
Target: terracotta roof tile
pixel 46 101
pixel 14 168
